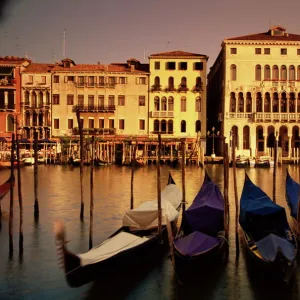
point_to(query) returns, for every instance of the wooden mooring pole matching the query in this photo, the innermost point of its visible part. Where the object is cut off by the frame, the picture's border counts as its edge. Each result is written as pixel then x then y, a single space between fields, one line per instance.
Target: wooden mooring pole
pixel 132 177
pixel 92 193
pixel 159 189
pixel 183 175
pixel 226 188
pixel 81 163
pixel 275 167
pixel 35 174
pixel 11 202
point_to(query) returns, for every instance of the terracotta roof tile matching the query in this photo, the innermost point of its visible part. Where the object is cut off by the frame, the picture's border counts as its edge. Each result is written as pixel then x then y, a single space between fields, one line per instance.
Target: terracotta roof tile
pixel 177 53
pixel 38 68
pixel 13 60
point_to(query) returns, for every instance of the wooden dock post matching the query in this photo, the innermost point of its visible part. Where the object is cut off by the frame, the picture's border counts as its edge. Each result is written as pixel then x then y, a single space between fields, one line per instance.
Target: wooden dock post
pixel 183 175
pixel 20 199
pixel 159 189
pixel 35 174
pixel 81 163
pixel 235 198
pixel 275 167
pixel 132 177
pixel 92 193
pixel 226 188
pixel 11 202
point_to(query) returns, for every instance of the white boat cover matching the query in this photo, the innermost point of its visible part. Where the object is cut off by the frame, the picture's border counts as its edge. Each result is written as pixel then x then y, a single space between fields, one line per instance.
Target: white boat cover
pixel 146 215
pixel 110 247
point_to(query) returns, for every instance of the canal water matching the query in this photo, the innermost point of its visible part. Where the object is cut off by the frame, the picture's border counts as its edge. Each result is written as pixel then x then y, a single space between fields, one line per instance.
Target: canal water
pixel 37 274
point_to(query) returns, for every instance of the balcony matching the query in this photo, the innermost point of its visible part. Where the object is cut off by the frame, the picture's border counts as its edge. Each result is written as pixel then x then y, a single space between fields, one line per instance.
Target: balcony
pixel 170 89
pixel 265 117
pixel 7 107
pixel 198 88
pixel 94 108
pixel 27 106
pixel 183 88
pixel 162 114
pixel 7 82
pixel 95 131
pixel 163 132
pixel 156 88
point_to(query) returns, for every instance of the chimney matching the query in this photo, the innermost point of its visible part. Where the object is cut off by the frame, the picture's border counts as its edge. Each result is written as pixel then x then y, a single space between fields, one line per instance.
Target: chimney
pixel 132 67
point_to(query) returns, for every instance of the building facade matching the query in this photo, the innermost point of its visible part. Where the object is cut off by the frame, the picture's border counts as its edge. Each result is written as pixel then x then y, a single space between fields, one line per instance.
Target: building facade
pixel 10 94
pixel 112 99
pixel 254 92
pixel 177 98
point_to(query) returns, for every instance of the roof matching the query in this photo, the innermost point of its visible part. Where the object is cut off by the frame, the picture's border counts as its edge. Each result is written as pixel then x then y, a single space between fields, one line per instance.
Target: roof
pixel 176 54
pixel 13 60
pixel 38 68
pixel 267 36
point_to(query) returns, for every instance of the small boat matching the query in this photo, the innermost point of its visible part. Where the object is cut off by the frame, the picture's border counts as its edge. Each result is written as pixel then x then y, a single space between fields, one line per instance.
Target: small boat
pixel 292 190
pixel 131 247
pixel 200 241
pixel 139 162
pixel 28 161
pixel 75 162
pixel 251 162
pixel 263 162
pixel 7 164
pixel 5 187
pixel 266 232
pixel 242 162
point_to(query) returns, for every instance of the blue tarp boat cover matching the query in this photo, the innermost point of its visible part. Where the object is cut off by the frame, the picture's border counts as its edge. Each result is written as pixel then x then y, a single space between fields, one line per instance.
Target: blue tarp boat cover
pixel 272 244
pixel 259 215
pixel 195 243
pixel 292 193
pixel 206 214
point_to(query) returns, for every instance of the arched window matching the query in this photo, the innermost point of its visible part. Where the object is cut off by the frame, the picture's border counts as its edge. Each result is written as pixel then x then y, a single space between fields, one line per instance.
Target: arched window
pixel 198 126
pixel 283 73
pixel 283 102
pixel 198 104
pixel 183 82
pixel 298 73
pixel 233 72
pixel 258 73
pixel 198 85
pixel 183 126
pixel 248 102
pixel 170 127
pixel 292 73
pixel 10 123
pixel 163 103
pixel 156 103
pixel 41 99
pixel 241 102
pixel 267 72
pixel 156 126
pixel 157 81
pixel 27 98
pixel 246 137
pixel 292 102
pixel 232 102
pixel 170 103
pixel 163 126
pixel 171 83
pixel 275 102
pixel 47 98
pixel 183 104
pixel 275 73
pixel 258 102
pixel 33 99
pixel 267 102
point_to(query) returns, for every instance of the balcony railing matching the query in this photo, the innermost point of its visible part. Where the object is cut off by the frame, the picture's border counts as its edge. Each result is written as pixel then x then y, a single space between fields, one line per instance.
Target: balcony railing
pixel 94 108
pixel 156 88
pixel 27 105
pixel 7 107
pixel 183 88
pixel 95 131
pixel 5 82
pixel 265 117
pixel 163 132
pixel 162 114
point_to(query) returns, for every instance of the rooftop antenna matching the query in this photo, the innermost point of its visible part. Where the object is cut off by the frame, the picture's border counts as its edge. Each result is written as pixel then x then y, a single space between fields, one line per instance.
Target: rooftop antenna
pixel 145 54
pixel 64 43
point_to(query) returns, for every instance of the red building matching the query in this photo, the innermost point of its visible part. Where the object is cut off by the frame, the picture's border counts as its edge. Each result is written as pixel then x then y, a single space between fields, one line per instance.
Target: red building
pixel 10 93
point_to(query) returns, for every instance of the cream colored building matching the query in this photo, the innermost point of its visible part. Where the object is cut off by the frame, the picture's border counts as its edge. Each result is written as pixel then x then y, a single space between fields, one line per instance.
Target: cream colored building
pixel 113 99
pixel 36 101
pixel 177 98
pixel 254 91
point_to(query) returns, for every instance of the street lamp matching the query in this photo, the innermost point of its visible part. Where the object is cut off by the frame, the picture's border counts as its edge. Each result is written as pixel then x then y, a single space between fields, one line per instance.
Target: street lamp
pixel 213 155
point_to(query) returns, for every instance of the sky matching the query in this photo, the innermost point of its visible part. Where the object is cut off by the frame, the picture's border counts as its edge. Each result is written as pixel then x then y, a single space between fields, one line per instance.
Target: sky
pixel 108 31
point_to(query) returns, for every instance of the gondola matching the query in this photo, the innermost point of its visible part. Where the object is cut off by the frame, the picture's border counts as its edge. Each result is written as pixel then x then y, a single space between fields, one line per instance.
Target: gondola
pixel 292 192
pixel 133 246
pixel 266 232
pixel 5 187
pixel 200 241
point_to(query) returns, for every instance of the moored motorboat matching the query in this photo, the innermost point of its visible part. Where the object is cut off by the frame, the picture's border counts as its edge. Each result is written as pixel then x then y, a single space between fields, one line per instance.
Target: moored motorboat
pixel 200 241
pixel 5 187
pixel 266 232
pixel 130 247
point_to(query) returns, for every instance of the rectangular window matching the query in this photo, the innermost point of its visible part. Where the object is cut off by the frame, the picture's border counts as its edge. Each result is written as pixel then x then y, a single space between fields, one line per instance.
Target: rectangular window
pixel 111 81
pixel 183 66
pixel 80 81
pixel 56 123
pixel 111 123
pixel 101 123
pixel 267 51
pixel 122 124
pixel 55 100
pixel 283 51
pixel 121 100
pixel 56 79
pixel 142 125
pixel 101 81
pixel 111 100
pixel 171 65
pixel 298 51
pixel 141 80
pixel 198 66
pixel 101 100
pixel 80 100
pixel 70 99
pixel 91 81
pixel 70 123
pixel 91 123
pixel 233 51
pixel 43 79
pixel 30 79
pixel 142 100
pixel 70 78
pixel 122 80
pixel 257 50
pixel 91 102
pixel 157 65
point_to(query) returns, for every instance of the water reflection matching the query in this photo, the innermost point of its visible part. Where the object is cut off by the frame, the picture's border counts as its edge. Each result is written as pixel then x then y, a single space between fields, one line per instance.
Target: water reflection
pixel 38 276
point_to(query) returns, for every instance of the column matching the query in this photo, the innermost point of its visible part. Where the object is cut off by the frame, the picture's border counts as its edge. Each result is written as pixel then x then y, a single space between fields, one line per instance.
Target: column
pixel 44 98
pixel 5 100
pixel 240 139
pixel 265 144
pixel 14 99
pixel 30 98
pixel 290 146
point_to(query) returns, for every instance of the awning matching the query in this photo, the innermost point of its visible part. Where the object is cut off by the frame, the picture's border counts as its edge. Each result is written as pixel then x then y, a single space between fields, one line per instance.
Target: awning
pixel 3 140
pixel 6 71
